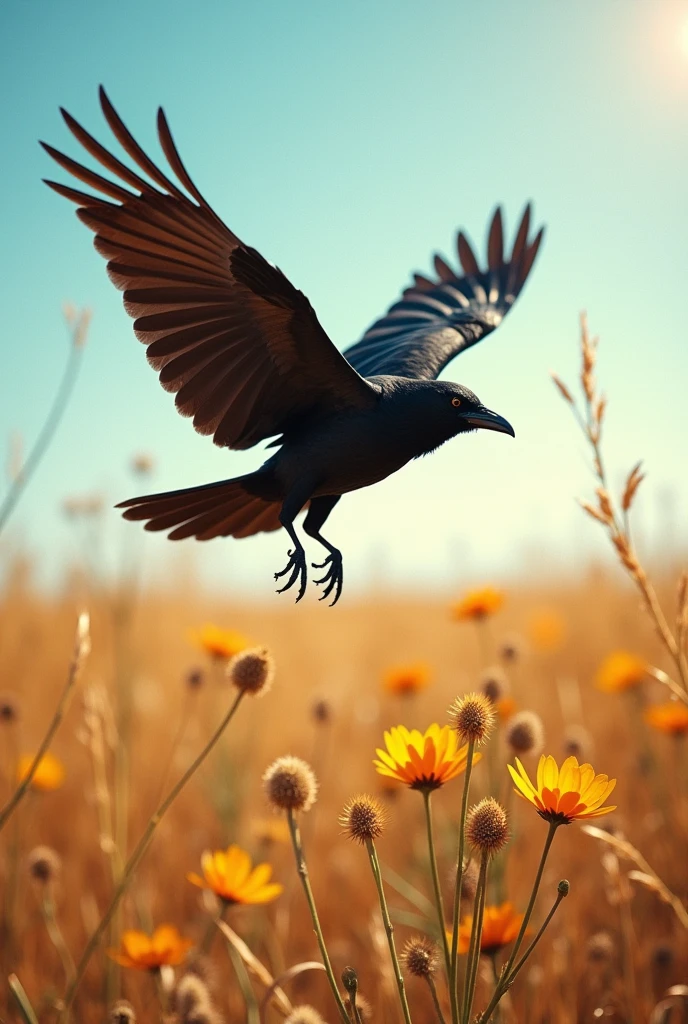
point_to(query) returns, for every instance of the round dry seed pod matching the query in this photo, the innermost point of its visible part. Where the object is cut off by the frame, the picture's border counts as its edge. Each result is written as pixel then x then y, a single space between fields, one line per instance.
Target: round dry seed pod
pixel 290 784
pixel 363 818
pixel 472 717
pixel 486 827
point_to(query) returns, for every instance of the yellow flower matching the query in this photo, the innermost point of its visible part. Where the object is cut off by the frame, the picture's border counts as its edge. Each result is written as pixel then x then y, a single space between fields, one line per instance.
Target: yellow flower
pixel 422 760
pixel 49 775
pixel 546 629
pixel 562 794
pixel 147 952
pixel 229 874
pixel 222 644
pixel 478 604
pixel 500 927
pixel 620 671
pixel 670 718
pixel 405 680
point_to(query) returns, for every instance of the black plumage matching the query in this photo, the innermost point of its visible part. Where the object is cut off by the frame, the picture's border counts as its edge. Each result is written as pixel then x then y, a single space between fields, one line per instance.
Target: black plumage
pixel 248 361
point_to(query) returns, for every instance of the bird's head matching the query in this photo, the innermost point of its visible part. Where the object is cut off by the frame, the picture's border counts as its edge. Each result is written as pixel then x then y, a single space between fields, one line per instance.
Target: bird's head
pixel 462 411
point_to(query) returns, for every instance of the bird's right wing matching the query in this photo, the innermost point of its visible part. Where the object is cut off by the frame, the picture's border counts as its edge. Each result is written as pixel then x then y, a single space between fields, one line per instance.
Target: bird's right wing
pixel 436 320
pixel 228 333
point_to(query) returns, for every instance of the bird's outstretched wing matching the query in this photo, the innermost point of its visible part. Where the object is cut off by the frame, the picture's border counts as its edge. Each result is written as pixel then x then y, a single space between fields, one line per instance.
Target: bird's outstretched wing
pixel 240 347
pixel 436 320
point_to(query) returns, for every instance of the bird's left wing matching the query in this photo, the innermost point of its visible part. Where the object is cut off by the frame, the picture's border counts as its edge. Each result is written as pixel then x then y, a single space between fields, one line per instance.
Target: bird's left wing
pixel 228 333
pixel 436 320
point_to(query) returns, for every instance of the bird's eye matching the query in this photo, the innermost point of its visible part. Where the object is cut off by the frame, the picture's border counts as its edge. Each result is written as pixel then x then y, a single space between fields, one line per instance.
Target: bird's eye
pixel 456 402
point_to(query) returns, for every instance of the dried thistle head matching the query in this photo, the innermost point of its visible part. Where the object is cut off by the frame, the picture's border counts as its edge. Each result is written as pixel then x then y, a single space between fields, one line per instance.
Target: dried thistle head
pixel 252 671
pixel 44 865
pixel 290 784
pixel 525 733
pixel 472 717
pixel 486 827
pixel 191 1001
pixel 304 1015
pixel 420 957
pixel 122 1012
pixel 194 678
pixel 363 818
pixel 321 710
pixel 9 708
pixel 494 684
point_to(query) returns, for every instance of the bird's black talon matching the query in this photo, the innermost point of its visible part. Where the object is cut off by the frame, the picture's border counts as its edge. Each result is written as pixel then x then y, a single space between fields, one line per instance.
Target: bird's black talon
pixel 296 567
pixel 333 578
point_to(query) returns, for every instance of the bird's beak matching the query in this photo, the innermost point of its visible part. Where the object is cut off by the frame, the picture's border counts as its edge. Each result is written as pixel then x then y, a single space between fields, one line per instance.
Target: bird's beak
pixel 485 419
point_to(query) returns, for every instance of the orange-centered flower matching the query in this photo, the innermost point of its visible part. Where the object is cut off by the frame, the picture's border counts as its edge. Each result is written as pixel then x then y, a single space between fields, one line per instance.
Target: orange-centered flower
pixel 148 952
pixel 49 774
pixel 422 760
pixel 500 927
pixel 229 874
pixel 478 604
pixel 222 644
pixel 405 680
pixel 620 671
pixel 670 718
pixel 562 794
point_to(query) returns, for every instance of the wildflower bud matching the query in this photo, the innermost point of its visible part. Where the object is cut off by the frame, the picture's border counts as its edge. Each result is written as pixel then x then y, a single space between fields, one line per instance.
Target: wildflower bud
pixel 564 887
pixel 494 685
pixel 363 818
pixel 600 948
pixel 350 980
pixel 510 650
pixel 578 743
pixel 290 784
pixel 304 1015
pixel 194 678
pixel 252 671
pixel 122 1012
pixel 472 716
pixel 486 828
pixel 525 734
pixel 469 881
pixel 44 865
pixel 9 708
pixel 322 711
pixel 419 957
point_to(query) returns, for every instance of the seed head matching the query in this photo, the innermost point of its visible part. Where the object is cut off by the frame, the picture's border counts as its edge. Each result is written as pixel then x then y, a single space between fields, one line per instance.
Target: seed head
pixel 578 743
pixel 494 685
pixel 304 1015
pixel 486 828
pixel 9 708
pixel 600 948
pixel 510 650
pixel 525 733
pixel 472 716
pixel 290 784
pixel 363 818
pixel 122 1012
pixel 419 957
pixel 44 864
pixel 194 678
pixel 252 671
pixel 564 887
pixel 192 1003
pixel 322 711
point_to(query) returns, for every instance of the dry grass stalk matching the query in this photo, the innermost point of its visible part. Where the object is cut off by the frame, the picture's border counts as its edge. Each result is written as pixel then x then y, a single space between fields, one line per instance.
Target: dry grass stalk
pixel 617 523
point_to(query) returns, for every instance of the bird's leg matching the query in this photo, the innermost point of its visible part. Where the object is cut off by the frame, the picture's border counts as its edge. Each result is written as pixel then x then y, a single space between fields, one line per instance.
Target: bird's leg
pixel 296 566
pixel 333 579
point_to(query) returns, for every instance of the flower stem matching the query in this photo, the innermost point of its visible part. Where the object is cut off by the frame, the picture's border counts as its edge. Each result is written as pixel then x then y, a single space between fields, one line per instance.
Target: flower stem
pixel 389 929
pixel 453 978
pixel 56 936
pixel 139 851
pixel 306 883
pixel 515 970
pixel 501 987
pixel 435 1000
pixel 473 959
pixel 436 883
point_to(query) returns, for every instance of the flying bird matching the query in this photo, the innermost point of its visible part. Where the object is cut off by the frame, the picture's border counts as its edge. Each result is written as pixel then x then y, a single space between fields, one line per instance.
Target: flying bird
pixel 244 353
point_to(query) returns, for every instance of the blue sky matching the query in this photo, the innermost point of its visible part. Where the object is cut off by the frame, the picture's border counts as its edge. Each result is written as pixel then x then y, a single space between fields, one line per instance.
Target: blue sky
pixel 347 142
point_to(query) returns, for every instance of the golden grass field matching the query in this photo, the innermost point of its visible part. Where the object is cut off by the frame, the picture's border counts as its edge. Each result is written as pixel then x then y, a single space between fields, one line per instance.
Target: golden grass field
pixel 147 698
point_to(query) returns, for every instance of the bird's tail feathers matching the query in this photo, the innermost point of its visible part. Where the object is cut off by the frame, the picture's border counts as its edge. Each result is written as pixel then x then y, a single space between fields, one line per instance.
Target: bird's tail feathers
pixel 230 508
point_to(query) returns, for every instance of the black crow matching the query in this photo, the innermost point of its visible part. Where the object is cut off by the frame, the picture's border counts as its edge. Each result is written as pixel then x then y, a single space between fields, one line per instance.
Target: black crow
pixel 244 353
